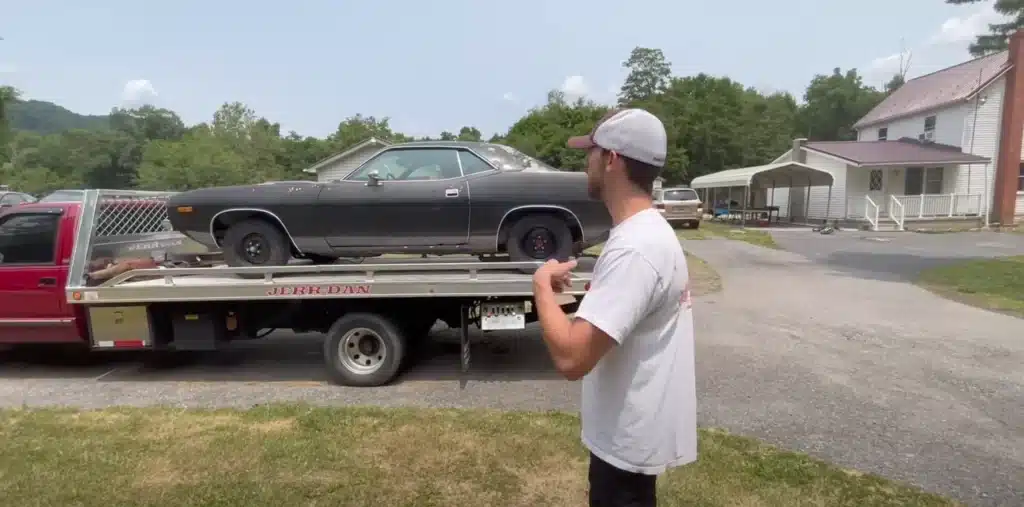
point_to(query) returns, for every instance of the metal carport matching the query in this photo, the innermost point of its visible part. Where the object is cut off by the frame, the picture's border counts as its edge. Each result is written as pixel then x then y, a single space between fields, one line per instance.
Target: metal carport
pixel 793 173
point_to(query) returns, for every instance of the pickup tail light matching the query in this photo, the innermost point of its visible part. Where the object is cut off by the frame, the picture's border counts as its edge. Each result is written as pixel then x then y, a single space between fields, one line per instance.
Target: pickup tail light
pixel 659 205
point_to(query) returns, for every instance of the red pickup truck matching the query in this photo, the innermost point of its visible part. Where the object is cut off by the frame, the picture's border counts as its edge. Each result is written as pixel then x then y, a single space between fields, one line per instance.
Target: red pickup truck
pixel 36 241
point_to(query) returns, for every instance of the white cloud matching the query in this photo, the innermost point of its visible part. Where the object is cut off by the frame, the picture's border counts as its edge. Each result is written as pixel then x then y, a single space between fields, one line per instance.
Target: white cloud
pixel 509 97
pixel 8 68
pixel 575 87
pixel 964 29
pixel 138 91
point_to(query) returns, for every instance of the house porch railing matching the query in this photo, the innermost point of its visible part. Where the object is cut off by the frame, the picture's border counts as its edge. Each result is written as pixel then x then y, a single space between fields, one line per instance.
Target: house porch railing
pixel 940 205
pixel 916 207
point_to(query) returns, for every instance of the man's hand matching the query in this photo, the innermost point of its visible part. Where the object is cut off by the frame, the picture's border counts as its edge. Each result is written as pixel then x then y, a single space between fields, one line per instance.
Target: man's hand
pixel 553 275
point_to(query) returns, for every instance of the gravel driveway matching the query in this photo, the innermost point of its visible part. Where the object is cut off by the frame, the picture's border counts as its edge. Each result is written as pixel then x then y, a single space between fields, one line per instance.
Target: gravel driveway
pixel 838 362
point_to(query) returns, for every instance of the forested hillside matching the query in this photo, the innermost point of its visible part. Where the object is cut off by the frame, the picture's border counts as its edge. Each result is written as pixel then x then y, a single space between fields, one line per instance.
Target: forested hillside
pixel 48 118
pixel 713 122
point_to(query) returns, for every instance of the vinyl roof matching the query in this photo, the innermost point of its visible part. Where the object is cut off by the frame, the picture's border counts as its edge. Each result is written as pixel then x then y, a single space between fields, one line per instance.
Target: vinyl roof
pixel 792 174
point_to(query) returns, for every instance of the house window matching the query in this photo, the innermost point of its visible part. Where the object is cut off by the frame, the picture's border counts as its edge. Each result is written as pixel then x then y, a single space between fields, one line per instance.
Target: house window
pixel 883 133
pixel 933 180
pixel 1020 180
pixel 875 181
pixel 929 127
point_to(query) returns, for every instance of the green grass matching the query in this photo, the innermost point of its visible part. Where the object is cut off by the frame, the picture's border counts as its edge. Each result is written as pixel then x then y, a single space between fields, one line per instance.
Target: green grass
pixel 993 284
pixel 304 456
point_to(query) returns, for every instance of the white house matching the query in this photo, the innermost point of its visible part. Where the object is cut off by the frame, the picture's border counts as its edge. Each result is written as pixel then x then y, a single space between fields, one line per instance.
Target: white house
pixel 339 165
pixel 945 146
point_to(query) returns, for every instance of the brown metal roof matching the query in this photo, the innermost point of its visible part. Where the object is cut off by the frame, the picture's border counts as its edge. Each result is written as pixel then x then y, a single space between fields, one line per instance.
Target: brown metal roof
pixel 904 151
pixel 937 89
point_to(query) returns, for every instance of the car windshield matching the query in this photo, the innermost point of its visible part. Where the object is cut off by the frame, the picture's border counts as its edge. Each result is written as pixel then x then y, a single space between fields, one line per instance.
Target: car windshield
pixel 680 194
pixel 63 196
pixel 507 157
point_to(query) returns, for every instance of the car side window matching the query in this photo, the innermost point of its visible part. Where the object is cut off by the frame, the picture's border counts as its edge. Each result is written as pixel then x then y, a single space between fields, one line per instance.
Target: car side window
pixel 9 200
pixel 28 238
pixel 472 164
pixel 411 164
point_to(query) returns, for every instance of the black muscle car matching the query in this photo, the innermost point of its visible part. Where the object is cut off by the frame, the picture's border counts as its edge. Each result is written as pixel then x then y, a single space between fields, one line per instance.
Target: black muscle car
pixel 425 197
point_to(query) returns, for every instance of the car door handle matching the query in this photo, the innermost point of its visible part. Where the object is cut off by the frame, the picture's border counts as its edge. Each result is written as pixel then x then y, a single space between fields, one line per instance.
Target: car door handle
pixel 451 192
pixel 47 282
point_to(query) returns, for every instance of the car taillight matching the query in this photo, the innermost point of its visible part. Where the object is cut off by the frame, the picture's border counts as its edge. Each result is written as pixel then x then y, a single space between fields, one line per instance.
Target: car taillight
pixel 659 205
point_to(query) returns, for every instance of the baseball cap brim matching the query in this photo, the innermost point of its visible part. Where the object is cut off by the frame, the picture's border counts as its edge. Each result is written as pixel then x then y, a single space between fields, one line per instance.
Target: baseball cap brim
pixel 581 143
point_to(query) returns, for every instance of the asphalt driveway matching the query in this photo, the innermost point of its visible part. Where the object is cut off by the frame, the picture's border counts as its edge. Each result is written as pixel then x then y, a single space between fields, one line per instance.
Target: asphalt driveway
pixel 848 364
pixel 895 255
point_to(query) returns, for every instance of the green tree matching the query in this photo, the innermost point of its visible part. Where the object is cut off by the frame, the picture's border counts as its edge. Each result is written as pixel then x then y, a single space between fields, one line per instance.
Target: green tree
pixel 649 75
pixel 470 134
pixel 999 33
pixel 833 103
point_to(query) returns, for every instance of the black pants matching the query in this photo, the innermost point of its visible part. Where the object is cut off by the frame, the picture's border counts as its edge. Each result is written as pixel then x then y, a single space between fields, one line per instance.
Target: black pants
pixel 613 487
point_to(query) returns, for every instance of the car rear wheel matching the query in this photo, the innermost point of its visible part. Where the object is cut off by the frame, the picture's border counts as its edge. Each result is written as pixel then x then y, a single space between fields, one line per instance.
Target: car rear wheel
pixel 539 238
pixel 695 224
pixel 256 243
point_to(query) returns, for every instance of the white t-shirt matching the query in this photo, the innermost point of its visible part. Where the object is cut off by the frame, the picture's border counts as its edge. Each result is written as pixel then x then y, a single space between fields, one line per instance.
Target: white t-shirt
pixel 639 406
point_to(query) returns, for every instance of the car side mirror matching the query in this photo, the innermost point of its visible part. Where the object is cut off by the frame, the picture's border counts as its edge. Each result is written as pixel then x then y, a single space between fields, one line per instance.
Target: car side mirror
pixel 373 178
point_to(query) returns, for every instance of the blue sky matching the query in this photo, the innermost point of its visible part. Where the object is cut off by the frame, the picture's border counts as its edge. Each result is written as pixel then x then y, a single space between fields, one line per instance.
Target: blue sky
pixel 433 66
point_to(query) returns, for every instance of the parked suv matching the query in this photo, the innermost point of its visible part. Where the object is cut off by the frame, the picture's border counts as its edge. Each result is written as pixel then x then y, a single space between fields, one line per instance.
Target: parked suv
pixel 680 205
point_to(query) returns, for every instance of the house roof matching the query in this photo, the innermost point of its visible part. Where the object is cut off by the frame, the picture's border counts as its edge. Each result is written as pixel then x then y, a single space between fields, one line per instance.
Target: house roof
pixel 799 174
pixel 904 151
pixel 931 91
pixel 338 156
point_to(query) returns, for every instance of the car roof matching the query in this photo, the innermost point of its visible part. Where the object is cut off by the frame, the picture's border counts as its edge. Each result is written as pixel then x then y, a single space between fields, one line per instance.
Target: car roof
pixel 454 144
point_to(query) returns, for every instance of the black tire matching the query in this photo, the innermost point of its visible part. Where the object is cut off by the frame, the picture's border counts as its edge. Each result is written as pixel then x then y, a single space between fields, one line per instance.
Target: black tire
pixel 695 224
pixel 269 237
pixel 382 345
pixel 552 228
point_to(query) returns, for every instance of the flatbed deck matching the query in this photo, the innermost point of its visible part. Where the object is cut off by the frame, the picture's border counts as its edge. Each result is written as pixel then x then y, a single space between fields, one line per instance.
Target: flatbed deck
pixel 406 280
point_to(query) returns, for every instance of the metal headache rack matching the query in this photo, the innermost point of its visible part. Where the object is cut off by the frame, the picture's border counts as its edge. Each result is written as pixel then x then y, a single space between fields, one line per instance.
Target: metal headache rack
pixel 129 224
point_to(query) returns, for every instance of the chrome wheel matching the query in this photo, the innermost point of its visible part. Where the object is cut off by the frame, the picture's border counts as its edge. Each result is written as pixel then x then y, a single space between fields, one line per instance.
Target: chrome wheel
pixel 362 350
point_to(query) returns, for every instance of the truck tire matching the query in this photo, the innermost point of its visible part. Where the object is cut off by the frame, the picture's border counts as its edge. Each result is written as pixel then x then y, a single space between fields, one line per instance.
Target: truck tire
pixel 539 238
pixel 256 242
pixel 364 350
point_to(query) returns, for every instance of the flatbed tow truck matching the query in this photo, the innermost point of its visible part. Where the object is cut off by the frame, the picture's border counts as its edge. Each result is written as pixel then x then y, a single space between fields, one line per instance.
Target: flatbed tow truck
pixel 128 282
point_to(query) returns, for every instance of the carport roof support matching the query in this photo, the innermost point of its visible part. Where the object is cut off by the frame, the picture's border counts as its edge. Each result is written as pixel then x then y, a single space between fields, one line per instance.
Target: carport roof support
pixel 748 176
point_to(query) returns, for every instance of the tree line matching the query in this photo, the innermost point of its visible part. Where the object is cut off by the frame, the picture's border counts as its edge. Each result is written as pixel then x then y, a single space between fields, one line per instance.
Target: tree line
pixel 713 123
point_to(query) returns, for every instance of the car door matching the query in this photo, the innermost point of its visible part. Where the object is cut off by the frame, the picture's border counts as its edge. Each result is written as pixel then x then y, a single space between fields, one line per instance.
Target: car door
pixel 32 280
pixel 412 197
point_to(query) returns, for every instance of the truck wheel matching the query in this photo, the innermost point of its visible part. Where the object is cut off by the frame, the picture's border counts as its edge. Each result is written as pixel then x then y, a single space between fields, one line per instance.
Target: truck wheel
pixel 364 350
pixel 539 238
pixel 256 242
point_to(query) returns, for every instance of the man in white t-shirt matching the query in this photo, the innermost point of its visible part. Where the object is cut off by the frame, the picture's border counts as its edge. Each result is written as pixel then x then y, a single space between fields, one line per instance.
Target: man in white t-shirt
pixel 632 338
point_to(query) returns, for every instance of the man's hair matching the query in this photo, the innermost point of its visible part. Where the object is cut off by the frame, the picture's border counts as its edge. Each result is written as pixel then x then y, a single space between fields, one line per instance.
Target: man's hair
pixel 640 174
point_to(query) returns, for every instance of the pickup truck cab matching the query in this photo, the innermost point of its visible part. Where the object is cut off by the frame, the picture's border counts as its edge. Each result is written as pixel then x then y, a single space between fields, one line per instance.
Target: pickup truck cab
pixel 36 243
